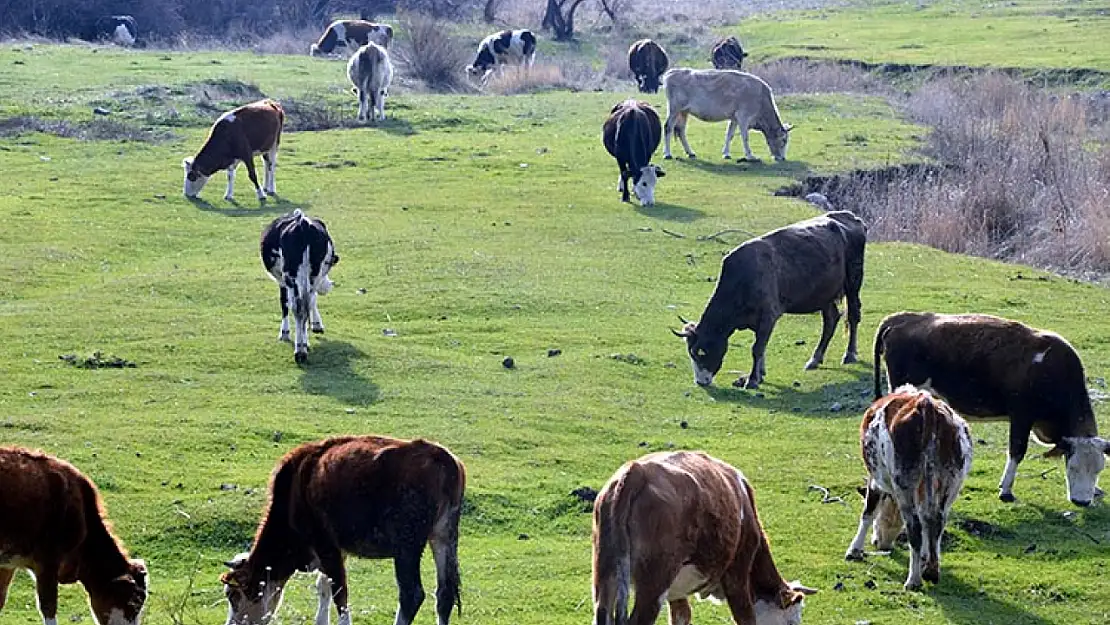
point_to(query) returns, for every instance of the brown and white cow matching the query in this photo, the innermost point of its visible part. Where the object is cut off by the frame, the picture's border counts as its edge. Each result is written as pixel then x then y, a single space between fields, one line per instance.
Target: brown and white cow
pixel 918 454
pixel 369 496
pixel 716 95
pixel 52 523
pixel 675 524
pixel 988 367
pixel 235 138
pixel 727 53
pixel 647 60
pixel 370 72
pixel 350 35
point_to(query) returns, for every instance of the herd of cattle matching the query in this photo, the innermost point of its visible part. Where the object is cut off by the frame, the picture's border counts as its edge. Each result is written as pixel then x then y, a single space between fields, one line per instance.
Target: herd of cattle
pixel 668 525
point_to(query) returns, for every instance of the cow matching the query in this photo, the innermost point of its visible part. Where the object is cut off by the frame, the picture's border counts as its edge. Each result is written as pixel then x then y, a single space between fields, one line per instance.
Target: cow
pixel 350 35
pixel 236 137
pixel 727 53
pixel 370 71
pixel 508 47
pixel 631 135
pixel 118 29
pixel 298 253
pixel 673 524
pixel 715 95
pixel 918 454
pixel 53 524
pixel 647 60
pixel 367 496
pixel 988 367
pixel 802 268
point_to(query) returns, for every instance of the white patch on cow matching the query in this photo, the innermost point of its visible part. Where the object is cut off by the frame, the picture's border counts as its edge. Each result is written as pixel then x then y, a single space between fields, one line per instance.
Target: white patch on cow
pixel 228 117
pixel 702 377
pixel 50 621
pixel 688 581
pixel 1084 464
pixel 304 287
pixel 340 33
pixel 645 187
pixel 270 163
pixel 1006 486
pixel 231 181
pixel 1038 358
pixel 770 613
pixel 192 188
pixel 323 596
pixel 123 36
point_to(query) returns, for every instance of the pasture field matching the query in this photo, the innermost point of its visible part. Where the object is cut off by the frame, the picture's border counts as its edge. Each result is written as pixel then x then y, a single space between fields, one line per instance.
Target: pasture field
pixel 473 228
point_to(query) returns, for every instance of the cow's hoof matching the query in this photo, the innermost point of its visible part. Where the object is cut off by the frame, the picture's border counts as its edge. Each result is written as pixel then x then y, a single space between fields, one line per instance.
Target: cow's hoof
pixel 855 555
pixel 692 157
pixel 746 382
pixel 318 328
pixel 750 159
pixel 727 157
pixel 1007 497
pixel 300 357
pixel 812 364
pixel 667 157
pixel 932 576
pixel 283 337
pixel 849 359
pixel 912 585
pixel 228 198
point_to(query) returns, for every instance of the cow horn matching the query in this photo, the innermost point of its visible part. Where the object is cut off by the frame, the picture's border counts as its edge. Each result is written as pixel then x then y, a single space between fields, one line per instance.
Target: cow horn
pixel 683 320
pixel 680 335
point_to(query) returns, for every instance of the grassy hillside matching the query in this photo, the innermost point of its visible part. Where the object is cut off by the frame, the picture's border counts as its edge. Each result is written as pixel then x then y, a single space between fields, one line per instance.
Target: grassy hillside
pixel 474 228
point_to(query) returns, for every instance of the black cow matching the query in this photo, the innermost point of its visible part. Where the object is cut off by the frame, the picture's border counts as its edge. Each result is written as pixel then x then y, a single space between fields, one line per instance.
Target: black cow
pixel 502 48
pixel 647 60
pixel 989 367
pixel 119 29
pixel 297 252
pixel 631 135
pixel 727 54
pixel 802 268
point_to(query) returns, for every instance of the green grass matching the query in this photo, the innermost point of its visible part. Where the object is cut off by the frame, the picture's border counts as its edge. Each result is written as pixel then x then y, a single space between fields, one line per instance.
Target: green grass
pixel 476 228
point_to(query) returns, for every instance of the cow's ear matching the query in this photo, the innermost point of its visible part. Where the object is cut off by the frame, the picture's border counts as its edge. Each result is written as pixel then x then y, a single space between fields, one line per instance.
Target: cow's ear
pixel 187 163
pixel 788 127
pixel 659 173
pixel 1105 446
pixel 1062 448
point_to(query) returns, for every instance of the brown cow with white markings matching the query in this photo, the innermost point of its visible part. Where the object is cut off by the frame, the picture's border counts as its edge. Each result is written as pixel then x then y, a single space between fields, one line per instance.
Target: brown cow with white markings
pixel 235 138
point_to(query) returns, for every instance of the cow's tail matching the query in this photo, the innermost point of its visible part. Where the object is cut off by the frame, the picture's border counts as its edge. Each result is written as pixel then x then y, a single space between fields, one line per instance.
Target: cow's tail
pixel 877 356
pixel 613 547
pixel 448 494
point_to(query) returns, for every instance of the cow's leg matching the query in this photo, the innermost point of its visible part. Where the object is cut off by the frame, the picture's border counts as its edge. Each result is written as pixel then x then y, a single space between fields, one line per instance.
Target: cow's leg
pixel 738 594
pixel 759 350
pixel 680 612
pixel 46 587
pixel 406 568
pixel 254 179
pixel 855 306
pixel 6 576
pixel 332 567
pixel 870 505
pixel 728 138
pixel 314 319
pixel 1019 444
pixel 283 295
pixel 323 598
pixel 445 552
pixel 680 130
pixel 626 175
pixel 748 156
pixel 230 181
pixel 915 530
pixel 933 530
pixel 381 105
pixel 830 315
pixel 668 130
pixel 300 327
pixel 269 158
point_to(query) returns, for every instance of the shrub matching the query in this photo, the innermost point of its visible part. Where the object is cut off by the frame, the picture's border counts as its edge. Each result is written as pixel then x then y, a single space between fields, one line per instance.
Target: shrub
pixel 426 50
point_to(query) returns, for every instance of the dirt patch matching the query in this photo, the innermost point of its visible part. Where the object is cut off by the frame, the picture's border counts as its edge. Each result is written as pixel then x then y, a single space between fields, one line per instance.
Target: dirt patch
pixel 1041 77
pixel 97 361
pixel 97 129
pixel 839 188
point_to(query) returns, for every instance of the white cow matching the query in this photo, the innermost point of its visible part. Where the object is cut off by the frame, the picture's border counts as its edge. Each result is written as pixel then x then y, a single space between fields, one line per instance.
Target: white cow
pixel 370 71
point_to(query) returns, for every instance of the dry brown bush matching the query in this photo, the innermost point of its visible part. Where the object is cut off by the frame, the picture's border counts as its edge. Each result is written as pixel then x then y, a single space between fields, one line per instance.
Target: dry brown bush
pixel 428 52
pixel 805 76
pixel 516 79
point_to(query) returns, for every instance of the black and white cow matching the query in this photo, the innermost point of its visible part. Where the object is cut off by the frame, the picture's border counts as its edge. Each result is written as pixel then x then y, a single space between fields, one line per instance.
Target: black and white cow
pixel 516 47
pixel 631 135
pixel 350 35
pixel 297 252
pixel 119 29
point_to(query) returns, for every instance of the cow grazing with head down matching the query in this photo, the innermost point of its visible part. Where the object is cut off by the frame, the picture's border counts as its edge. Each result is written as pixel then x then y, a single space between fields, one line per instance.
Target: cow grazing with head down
pixel 350 35
pixel 648 61
pixel 235 138
pixel 987 367
pixel 802 268
pixel 675 524
pixel 631 135
pixel 508 47
pixel 52 523
pixel 371 72
pixel 118 29
pixel 297 252
pixel 367 496
pixel 918 454
pixel 714 95
pixel 727 53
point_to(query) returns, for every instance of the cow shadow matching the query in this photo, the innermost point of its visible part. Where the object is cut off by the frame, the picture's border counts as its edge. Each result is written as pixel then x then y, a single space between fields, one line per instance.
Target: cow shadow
pixel 964 604
pixel 844 399
pixel 330 371
pixel 738 167
pixel 392 125
pixel 272 206
pixel 670 212
pixel 1046 532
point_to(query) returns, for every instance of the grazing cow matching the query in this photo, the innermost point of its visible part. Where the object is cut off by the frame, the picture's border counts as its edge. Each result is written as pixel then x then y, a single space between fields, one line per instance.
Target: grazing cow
pixel 508 47
pixel 648 61
pixel 350 35
pixel 370 71
pixel 987 367
pixel 727 54
pixel 52 523
pixel 918 454
pixel 297 252
pixel 714 95
pixel 673 524
pixel 631 135
pixel 236 137
pixel 119 29
pixel 368 496
pixel 802 268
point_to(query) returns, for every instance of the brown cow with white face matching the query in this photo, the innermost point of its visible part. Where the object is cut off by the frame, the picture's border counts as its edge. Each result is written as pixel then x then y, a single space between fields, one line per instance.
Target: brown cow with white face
pixel 235 138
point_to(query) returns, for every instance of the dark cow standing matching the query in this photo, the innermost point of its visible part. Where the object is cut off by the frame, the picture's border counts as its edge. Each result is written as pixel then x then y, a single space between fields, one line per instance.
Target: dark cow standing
pixel 367 496
pixel 648 61
pixel 631 135
pixel 802 268
pixel 119 29
pixel 727 54
pixel 988 367
pixel 297 252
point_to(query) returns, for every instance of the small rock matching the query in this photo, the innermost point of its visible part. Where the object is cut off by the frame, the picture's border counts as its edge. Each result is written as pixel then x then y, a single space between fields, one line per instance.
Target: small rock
pixel 1031 548
pixel 228 487
pixel 683 424
pixel 796 409
pixel 797 384
pixel 838 586
pixel 165 483
pixel 160 196
pixel 585 493
pixel 863 622
pixel 759 395
pixel 553 352
pixel 668 365
pixel 389 332
pixel 361 291
pixel 350 411
pixel 508 362
pixel 45 159
pixel 138 454
pixel 981 441
pixel 836 407
pixel 643 444
pixel 100 110
pixel 276 436
pixel 669 445
pixel 179 486
pixel 870 584
pixel 522 537
pixel 800 342
pixel 820 200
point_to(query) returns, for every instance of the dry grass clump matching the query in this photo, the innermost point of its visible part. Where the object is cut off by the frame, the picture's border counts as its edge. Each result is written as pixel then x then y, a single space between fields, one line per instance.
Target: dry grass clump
pixel 426 51
pixel 806 76
pixel 516 79
pixel 96 129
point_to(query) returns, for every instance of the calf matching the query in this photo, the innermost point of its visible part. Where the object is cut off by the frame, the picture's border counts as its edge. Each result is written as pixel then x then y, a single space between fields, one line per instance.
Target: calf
pixel 987 367
pixel 802 268
pixel 52 523
pixel 631 135
pixel 715 95
pixel 727 54
pixel 648 61
pixel 297 252
pixel 351 34
pixel 370 71
pixel 678 523
pixel 368 496
pixel 918 454
pixel 236 137
pixel 507 47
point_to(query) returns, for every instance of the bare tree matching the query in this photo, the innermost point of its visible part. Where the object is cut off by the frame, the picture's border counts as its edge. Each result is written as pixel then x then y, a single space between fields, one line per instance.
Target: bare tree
pixel 559 17
pixel 489 12
pixel 614 8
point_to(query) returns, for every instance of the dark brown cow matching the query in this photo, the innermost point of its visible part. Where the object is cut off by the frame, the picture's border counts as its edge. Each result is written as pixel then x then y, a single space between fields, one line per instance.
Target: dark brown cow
pixel 648 61
pixel 802 268
pixel 52 523
pixel 987 367
pixel 678 523
pixel 918 454
pixel 236 137
pixel 727 54
pixel 369 496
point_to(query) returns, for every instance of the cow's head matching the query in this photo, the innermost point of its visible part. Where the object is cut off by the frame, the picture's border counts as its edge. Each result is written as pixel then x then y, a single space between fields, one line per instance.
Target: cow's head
pixel 777 141
pixel 1084 460
pixel 887 524
pixel 706 352
pixel 121 600
pixel 784 608
pixel 476 71
pixel 644 183
pixel 253 599
pixel 194 180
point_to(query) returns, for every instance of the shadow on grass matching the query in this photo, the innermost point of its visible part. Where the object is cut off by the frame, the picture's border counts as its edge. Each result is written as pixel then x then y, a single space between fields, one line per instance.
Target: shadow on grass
pixel 669 212
pixel 963 604
pixel 330 372
pixel 273 205
pixel 853 396
pixel 1041 530
pixel 736 166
